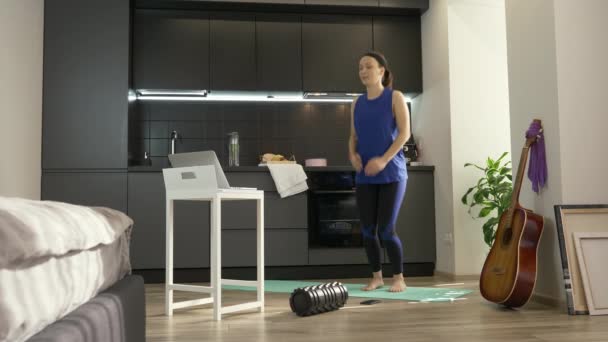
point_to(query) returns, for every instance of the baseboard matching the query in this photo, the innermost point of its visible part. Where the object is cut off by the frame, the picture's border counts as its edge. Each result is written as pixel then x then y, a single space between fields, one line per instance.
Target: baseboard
pixel 454 277
pixel 547 300
pixel 193 275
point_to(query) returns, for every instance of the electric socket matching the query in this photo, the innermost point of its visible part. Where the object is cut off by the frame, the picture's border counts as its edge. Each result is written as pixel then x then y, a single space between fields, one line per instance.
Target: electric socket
pixel 448 238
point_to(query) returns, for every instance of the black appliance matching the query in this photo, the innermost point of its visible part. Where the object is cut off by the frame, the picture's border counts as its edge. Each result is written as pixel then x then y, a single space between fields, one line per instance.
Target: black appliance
pixel 333 216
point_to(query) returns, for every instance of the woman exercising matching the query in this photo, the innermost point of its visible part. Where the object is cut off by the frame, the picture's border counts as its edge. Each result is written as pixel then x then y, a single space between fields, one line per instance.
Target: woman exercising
pixel 379 129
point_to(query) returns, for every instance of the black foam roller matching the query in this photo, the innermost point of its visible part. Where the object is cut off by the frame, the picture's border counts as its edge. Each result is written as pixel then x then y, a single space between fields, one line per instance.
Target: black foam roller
pixel 312 300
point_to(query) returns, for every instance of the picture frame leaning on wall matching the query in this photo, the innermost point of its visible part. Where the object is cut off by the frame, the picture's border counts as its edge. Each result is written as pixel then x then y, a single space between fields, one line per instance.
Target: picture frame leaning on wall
pixel 592 253
pixel 587 218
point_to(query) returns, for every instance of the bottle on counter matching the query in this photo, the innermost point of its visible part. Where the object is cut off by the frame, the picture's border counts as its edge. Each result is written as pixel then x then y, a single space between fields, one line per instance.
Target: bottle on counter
pixel 233 149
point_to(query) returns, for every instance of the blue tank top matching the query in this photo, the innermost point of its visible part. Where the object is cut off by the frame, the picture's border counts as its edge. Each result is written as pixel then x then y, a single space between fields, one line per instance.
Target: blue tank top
pixel 376 130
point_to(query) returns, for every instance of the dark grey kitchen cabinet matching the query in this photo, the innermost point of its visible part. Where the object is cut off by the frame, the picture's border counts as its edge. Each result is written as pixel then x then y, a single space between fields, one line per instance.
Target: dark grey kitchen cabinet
pixel 147 208
pixel 279 52
pixel 85 84
pixel 285 228
pixel 279 2
pixel 416 221
pixel 338 256
pixel 171 50
pixel 281 247
pixel 103 189
pixel 332 46
pixel 366 3
pixel 421 4
pixel 233 55
pixel 279 213
pixel 399 39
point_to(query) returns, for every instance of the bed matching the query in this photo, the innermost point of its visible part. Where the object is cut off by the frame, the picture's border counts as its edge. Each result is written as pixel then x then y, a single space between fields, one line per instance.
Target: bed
pixel 65 274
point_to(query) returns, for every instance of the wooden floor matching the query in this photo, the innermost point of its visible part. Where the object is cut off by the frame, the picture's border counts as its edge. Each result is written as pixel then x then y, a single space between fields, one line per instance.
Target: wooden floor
pixel 470 319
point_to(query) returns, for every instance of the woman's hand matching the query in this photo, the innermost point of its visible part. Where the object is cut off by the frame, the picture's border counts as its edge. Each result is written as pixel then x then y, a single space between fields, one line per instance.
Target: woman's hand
pixel 374 166
pixel 355 160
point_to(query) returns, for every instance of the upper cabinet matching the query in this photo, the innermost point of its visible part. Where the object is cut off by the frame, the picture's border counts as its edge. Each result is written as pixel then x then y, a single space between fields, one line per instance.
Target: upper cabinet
pixel 85 84
pixel 398 38
pixel 274 2
pixel 423 5
pixel 171 50
pixel 370 3
pixel 233 54
pixel 279 52
pixel 332 45
pixel 374 7
pixel 271 51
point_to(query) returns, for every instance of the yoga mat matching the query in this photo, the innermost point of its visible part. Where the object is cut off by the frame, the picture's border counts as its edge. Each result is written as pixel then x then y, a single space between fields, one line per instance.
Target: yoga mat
pixel 420 294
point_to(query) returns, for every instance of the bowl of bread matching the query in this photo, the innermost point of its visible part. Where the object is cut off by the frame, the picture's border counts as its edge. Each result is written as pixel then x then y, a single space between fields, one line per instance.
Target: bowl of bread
pixel 271 158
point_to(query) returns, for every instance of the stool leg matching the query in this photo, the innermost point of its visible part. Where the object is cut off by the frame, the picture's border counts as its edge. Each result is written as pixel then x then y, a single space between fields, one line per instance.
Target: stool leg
pixel 216 257
pixel 260 251
pixel 169 259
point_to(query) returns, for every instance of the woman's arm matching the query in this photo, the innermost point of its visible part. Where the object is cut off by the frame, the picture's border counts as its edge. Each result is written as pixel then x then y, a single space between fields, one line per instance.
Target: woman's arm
pixel 402 117
pixel 353 156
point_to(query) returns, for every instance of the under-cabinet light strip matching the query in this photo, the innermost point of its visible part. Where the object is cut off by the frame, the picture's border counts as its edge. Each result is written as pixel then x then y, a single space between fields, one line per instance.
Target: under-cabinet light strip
pixel 237 98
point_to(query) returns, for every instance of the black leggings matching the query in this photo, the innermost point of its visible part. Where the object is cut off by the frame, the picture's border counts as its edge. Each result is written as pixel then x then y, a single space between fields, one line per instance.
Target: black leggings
pixel 379 206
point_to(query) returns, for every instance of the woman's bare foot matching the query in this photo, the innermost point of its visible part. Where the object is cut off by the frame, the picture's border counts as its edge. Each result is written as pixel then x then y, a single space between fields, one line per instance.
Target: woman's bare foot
pixel 375 283
pixel 398 283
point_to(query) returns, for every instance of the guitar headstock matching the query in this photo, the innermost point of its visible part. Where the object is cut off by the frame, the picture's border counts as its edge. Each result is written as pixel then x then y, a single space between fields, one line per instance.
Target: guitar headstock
pixel 534 133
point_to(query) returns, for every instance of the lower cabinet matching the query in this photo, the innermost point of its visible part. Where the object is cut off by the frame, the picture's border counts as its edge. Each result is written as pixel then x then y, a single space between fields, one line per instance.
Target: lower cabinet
pixel 286 234
pixel 416 221
pixel 286 223
pixel 282 247
pixel 147 209
pixel 104 189
pixel 338 256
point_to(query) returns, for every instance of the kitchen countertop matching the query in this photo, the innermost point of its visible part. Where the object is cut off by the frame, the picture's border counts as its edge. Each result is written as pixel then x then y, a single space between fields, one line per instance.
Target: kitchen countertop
pixel 252 168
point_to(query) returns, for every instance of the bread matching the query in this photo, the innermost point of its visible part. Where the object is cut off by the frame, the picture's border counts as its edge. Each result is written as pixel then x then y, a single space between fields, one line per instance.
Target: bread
pixel 272 157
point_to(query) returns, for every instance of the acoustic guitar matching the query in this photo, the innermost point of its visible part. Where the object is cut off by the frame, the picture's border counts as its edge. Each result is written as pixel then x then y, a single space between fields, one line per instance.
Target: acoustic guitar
pixel 509 272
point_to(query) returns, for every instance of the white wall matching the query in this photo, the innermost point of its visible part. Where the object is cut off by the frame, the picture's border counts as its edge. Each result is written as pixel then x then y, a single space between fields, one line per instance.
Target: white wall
pixel 21 40
pixel 533 94
pixel 462 116
pixel 558 73
pixel 582 83
pixel 479 97
pixel 431 124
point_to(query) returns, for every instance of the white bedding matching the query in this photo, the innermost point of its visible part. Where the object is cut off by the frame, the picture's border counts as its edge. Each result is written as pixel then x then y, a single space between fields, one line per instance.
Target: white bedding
pixel 55 257
pixel 30 229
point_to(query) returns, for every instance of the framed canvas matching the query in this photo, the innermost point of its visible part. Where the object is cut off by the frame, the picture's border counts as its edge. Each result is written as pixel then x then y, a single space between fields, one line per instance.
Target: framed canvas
pixel 569 219
pixel 592 253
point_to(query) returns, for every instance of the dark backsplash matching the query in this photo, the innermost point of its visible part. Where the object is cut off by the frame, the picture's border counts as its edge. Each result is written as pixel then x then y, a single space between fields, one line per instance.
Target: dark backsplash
pixel 305 130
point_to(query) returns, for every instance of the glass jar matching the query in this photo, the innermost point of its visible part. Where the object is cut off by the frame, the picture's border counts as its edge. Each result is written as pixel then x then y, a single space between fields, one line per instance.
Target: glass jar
pixel 233 149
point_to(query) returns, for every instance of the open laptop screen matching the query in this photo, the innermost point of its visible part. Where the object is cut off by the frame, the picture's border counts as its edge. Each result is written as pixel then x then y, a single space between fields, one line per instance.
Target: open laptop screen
pixel 201 158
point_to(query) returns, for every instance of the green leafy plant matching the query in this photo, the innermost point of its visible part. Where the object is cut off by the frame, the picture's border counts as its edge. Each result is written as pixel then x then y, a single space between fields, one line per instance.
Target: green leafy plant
pixel 492 194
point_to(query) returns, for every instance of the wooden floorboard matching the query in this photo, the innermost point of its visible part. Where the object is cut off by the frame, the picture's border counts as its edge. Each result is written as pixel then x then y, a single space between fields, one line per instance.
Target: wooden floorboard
pixel 471 319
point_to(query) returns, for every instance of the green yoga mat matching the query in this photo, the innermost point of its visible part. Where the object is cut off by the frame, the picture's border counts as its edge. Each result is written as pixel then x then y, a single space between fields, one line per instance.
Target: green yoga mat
pixel 420 294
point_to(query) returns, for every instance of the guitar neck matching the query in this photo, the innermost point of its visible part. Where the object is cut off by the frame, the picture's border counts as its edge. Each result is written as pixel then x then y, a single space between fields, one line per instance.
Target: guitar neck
pixel 520 176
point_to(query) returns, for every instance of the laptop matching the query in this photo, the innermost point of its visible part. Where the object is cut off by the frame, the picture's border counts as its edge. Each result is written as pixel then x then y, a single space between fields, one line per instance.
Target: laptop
pixel 204 158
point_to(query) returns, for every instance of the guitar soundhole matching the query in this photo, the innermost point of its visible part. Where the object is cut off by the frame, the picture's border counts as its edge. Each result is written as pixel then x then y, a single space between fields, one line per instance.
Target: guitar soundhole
pixel 507 235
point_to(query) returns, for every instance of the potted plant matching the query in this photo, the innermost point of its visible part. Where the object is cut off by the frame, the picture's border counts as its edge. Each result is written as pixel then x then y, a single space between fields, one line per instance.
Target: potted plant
pixel 491 194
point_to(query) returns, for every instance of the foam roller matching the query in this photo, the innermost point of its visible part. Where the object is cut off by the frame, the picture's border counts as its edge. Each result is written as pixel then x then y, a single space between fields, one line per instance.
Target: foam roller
pixel 312 300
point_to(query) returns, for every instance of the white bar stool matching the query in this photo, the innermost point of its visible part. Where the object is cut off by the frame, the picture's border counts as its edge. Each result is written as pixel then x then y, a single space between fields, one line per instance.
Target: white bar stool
pixel 199 183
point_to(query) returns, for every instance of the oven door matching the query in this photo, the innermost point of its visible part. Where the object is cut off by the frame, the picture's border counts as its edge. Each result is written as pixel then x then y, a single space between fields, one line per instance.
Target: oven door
pixel 334 219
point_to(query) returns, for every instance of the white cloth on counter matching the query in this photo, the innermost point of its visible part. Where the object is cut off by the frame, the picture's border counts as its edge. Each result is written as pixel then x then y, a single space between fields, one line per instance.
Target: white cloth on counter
pixel 290 179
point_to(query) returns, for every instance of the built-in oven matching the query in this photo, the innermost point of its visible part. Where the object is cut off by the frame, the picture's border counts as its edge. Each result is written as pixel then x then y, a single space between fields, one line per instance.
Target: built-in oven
pixel 333 216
